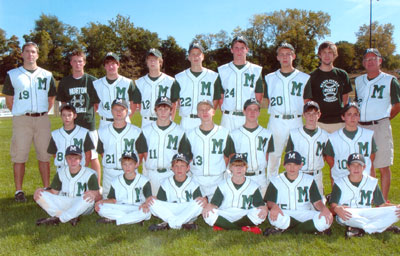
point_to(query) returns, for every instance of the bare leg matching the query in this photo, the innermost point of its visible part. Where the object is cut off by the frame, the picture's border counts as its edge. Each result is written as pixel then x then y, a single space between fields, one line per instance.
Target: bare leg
pixel 19 172
pixel 44 169
pixel 95 165
pixel 386 177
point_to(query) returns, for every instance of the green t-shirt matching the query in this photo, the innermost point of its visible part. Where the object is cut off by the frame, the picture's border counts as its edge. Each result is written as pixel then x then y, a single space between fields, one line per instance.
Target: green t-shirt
pixel 56 184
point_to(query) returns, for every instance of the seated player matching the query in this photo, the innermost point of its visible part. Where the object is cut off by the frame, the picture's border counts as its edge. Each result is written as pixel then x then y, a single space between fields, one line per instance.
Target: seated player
pixel 237 202
pixel 309 141
pixel 179 200
pixel 352 198
pixel 69 134
pixel 292 198
pixel 72 193
pixel 128 193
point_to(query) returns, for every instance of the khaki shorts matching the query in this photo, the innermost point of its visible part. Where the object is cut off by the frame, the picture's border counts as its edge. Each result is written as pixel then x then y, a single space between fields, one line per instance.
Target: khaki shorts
pixel 384 142
pixel 27 129
pixel 331 128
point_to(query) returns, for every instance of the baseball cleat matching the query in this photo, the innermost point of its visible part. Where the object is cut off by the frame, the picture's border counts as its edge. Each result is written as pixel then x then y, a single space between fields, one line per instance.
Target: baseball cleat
pixel 354 232
pixel 254 229
pixel 216 228
pixel 273 231
pixel 326 232
pixel 20 197
pixel 105 221
pixel 74 221
pixel 190 226
pixel 158 227
pixel 394 229
pixel 48 221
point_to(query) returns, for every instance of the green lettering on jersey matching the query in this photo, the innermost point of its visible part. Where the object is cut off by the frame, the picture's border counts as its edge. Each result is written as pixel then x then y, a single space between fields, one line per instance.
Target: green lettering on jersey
pixel 363 148
pixel 78 143
pixel 283 206
pixel 81 188
pixel 249 78
pixel 137 191
pixel 320 147
pixel 162 91
pixel 189 195
pixel 378 89
pixel 247 202
pixel 303 160
pixel 129 144
pixel 217 145
pixel 303 193
pixel 205 86
pixel 42 83
pixel 365 195
pixel 261 143
pixel 172 142
pixel 120 92
pixel 296 87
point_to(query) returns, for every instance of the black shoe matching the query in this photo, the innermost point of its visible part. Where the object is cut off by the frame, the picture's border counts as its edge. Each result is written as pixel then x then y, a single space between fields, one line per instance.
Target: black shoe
pixel 326 232
pixel 48 221
pixel 190 226
pixel 74 221
pixel 273 231
pixel 354 232
pixel 20 197
pixel 394 229
pixel 157 227
pixel 105 221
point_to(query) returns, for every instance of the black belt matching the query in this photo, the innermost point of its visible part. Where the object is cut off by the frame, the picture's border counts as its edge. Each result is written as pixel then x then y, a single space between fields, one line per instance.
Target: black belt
pixel 193 116
pixel 107 119
pixel 118 169
pixel 35 114
pixel 150 118
pixel 162 170
pixel 235 113
pixel 253 173
pixel 312 173
pixel 371 122
pixel 287 116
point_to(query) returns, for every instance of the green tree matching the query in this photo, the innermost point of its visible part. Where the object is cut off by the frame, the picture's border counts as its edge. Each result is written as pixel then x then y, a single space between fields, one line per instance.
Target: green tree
pixel 11 56
pixel 347 56
pixel 174 56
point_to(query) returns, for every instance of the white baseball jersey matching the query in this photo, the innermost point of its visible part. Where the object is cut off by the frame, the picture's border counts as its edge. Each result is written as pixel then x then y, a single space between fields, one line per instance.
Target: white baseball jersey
pixel 310 147
pixel 285 94
pixel 239 84
pixel 181 194
pixel 254 145
pixel 109 92
pixel 130 194
pixel 151 90
pixel 63 140
pixel 162 145
pixel 77 185
pixel 195 89
pixel 343 146
pixel 237 198
pixel 374 96
pixel 208 165
pixel 293 195
pixel 30 90
pixel 115 144
pixel 357 197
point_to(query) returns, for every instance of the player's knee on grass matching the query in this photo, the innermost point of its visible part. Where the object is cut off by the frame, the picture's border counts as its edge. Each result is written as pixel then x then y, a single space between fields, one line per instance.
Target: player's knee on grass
pixel 282 222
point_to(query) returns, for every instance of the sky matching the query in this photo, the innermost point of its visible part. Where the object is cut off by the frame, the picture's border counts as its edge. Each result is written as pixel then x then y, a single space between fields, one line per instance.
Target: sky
pixel 183 19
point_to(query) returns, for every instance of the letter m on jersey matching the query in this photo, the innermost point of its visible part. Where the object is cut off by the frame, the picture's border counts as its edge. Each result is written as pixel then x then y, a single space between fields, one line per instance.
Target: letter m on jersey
pixel 363 148
pixel 217 145
pixel 189 195
pixel 42 83
pixel 172 142
pixel 303 194
pixel 129 144
pixel 120 92
pixel 78 143
pixel 249 78
pixel 205 86
pixel 296 88
pixel 162 91
pixel 320 147
pixel 365 195
pixel 81 188
pixel 247 202
pixel 378 89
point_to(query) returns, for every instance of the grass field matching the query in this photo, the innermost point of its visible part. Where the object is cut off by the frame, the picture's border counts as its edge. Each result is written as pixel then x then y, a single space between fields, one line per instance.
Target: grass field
pixel 20 236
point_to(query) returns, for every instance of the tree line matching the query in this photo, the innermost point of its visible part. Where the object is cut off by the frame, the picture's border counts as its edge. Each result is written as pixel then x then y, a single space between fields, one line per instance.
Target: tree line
pixel 303 29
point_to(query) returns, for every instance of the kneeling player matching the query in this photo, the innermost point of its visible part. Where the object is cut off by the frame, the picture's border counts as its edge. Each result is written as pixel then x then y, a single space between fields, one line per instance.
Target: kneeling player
pixel 72 193
pixel 237 202
pixel 352 197
pixel 291 197
pixel 125 203
pixel 179 199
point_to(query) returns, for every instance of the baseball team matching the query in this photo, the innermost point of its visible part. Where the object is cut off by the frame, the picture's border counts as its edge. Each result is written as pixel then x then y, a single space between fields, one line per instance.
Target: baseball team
pixel 228 173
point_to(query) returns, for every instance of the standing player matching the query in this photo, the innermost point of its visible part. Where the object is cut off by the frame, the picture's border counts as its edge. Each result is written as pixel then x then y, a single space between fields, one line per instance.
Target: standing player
pixel 152 86
pixel 348 140
pixel 115 139
pixel 241 80
pixel 329 87
pixel 69 134
pixel 256 141
pixel 113 86
pixel 209 146
pixel 237 202
pixel 284 93
pixel 196 84
pixel 30 92
pixel 179 200
pixel 352 198
pixel 125 203
pixel 310 141
pixel 294 201
pixel 160 140
pixel 72 193
pixel 77 89
pixel 378 96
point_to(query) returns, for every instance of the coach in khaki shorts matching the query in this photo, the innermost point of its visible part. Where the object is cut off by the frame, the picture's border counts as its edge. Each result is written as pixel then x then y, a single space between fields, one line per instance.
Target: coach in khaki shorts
pixel 30 92
pixel 378 96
